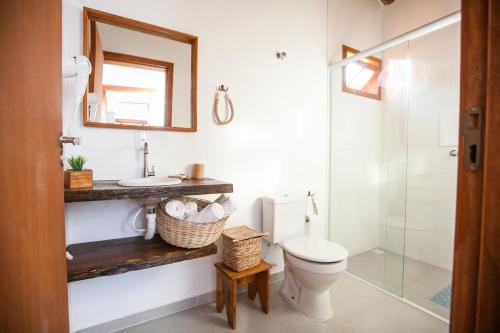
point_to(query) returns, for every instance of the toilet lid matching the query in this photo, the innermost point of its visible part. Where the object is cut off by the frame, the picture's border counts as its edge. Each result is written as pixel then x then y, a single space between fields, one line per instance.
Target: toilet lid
pixel 316 250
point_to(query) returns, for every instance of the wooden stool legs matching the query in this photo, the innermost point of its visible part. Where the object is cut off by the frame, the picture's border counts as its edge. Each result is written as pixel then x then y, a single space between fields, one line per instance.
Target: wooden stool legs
pixel 231 291
pixel 252 289
pixel 220 299
pixel 227 286
pixel 263 289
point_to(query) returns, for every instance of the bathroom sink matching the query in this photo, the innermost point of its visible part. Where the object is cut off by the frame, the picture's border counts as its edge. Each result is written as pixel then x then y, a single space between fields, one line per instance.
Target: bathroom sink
pixel 149 181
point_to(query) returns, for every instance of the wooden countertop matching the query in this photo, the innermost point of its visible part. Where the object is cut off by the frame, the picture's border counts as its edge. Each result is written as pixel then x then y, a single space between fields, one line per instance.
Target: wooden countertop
pixel 110 190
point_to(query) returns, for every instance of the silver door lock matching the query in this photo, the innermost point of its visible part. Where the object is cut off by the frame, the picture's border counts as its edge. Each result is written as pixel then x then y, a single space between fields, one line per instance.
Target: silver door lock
pixel 75 140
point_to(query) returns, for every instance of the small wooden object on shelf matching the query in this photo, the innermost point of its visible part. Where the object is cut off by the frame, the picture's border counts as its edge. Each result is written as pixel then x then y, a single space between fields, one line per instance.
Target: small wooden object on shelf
pixel 228 281
pixel 198 171
pixel 78 179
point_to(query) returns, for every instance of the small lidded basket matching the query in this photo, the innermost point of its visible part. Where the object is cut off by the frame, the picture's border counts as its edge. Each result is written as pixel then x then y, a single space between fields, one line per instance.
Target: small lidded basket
pixel 241 248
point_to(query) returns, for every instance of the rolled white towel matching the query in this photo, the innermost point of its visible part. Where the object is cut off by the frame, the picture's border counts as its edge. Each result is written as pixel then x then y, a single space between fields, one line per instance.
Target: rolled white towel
pixel 175 208
pixel 227 203
pixel 211 213
pixel 190 208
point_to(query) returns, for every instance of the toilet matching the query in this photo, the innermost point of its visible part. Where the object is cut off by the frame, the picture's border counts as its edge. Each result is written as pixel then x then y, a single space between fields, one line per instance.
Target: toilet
pixel 311 265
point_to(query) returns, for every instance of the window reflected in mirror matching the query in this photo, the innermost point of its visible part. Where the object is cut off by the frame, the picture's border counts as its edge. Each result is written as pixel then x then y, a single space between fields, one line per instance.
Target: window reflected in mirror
pixel 135 91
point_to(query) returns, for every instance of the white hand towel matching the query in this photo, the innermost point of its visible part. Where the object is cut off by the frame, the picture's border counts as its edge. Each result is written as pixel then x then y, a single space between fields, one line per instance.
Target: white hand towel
pixel 175 208
pixel 227 203
pixel 311 209
pixel 211 213
pixel 221 198
pixel 190 208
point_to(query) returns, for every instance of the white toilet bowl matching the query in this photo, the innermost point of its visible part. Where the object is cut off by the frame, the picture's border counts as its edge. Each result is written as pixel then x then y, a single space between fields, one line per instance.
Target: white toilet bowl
pixel 311 267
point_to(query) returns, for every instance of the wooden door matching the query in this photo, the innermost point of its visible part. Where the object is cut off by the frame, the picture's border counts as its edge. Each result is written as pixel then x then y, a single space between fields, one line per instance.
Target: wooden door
pixel 33 289
pixel 476 276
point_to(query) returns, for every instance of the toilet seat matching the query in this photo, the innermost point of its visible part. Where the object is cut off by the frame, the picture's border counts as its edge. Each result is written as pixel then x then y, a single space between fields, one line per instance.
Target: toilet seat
pixel 315 250
pixel 317 267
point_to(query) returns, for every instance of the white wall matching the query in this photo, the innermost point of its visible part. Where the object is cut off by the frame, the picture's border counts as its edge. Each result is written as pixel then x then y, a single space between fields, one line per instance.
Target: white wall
pixel 355 132
pixel 406 15
pixel 276 143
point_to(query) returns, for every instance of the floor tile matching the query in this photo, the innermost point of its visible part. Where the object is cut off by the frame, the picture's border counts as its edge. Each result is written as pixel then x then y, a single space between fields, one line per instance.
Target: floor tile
pixel 393 316
pixel 357 307
pixel 417 283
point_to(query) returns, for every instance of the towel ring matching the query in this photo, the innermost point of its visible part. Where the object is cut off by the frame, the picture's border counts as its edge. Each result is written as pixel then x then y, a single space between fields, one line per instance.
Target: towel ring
pixel 228 103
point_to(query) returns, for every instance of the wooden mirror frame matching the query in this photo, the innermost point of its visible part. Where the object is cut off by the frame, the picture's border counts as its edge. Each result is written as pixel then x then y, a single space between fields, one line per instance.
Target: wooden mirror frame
pixel 123 22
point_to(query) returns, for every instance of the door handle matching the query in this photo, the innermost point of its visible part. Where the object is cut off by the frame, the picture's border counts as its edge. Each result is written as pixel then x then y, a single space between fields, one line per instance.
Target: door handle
pixel 75 140
pixel 472 129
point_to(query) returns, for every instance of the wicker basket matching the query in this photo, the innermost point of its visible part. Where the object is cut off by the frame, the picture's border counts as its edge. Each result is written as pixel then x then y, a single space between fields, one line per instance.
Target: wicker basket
pixel 186 234
pixel 241 248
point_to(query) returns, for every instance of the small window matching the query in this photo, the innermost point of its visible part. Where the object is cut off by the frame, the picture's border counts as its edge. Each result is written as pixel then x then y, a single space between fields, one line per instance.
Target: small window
pixel 361 77
pixel 136 91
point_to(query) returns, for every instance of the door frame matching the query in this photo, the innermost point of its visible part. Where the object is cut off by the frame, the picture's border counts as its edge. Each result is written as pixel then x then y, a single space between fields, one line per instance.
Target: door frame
pixel 475 289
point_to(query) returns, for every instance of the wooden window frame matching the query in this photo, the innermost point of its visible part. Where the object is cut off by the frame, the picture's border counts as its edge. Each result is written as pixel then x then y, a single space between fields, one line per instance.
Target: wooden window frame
pixel 372 63
pixel 120 59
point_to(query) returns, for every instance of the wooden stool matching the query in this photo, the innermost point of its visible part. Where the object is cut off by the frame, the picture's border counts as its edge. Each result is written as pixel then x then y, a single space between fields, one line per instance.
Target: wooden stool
pixel 228 282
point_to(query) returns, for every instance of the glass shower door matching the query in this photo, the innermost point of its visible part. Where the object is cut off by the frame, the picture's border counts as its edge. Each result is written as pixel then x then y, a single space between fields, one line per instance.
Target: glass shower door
pixel 394 151
pixel 432 168
pixel 394 169
pixel 368 172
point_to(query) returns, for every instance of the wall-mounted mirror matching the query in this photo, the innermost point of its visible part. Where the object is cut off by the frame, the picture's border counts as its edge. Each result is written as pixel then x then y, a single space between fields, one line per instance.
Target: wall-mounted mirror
pixel 143 76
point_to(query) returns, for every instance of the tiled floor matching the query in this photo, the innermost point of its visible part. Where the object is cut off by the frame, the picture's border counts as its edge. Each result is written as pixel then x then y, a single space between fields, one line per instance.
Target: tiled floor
pixel 357 307
pixel 421 281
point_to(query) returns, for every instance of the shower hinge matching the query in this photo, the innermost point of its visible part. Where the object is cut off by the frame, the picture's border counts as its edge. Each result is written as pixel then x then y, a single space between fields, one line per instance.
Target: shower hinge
pixel 472 129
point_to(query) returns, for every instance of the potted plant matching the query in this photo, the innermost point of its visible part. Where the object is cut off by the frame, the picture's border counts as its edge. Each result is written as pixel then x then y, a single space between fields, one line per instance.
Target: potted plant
pixel 77 177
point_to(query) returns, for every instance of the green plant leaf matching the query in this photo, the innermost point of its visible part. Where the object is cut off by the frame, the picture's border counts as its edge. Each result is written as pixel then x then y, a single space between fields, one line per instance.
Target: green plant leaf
pixel 76 162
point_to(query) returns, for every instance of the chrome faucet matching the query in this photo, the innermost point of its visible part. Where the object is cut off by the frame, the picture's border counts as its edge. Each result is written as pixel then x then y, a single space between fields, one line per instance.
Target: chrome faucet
pixel 147 173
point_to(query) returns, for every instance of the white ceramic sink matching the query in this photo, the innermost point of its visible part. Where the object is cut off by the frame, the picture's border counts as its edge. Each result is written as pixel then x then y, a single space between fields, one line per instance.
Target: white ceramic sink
pixel 149 181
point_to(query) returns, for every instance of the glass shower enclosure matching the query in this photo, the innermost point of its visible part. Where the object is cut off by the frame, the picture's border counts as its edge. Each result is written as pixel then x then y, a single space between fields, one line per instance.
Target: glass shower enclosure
pixel 394 169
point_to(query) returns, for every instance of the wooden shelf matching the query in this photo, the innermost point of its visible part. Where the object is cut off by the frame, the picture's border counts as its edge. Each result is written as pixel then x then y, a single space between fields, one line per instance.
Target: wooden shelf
pixel 117 256
pixel 110 190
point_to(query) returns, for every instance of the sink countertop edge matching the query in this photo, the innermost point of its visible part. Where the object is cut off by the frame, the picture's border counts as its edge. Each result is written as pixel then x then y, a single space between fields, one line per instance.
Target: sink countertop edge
pixel 110 190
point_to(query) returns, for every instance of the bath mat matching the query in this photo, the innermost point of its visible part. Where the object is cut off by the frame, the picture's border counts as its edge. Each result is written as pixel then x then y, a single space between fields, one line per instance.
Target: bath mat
pixel 443 297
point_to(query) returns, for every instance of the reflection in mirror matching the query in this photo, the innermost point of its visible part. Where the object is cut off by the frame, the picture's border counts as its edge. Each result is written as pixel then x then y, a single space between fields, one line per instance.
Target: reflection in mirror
pixel 134 92
pixel 143 76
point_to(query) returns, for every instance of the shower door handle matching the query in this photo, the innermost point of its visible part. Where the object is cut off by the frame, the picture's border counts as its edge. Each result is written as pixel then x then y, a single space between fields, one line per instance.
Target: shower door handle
pixel 473 129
